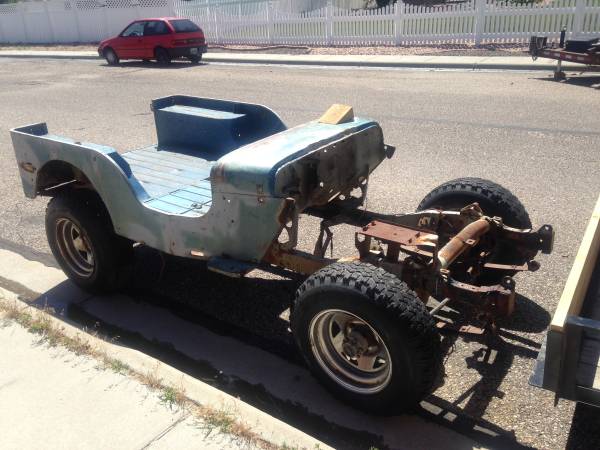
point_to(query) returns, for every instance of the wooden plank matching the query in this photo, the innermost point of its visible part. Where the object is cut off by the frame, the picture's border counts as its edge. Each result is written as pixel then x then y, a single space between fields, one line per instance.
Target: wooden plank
pixel 571 300
pixel 337 114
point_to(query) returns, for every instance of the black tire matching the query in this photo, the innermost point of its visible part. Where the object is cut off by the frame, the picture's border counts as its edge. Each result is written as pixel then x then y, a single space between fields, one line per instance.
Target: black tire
pixel 195 59
pixel 112 255
pixel 494 200
pixel 388 306
pixel 162 56
pixel 111 57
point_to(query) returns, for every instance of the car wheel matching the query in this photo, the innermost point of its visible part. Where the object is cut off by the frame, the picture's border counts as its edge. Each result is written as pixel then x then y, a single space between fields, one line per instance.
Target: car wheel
pixel 162 56
pixel 111 57
pixel 195 59
pixel 84 244
pixel 367 336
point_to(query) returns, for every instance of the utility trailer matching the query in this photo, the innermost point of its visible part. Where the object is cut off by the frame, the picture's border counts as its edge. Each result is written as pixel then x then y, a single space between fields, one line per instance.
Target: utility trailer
pixel 585 52
pixel 569 362
pixel 228 182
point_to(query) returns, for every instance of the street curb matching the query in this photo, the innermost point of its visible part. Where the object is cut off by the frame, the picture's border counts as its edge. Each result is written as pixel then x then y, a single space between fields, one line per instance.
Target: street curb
pixel 328 61
pixel 267 427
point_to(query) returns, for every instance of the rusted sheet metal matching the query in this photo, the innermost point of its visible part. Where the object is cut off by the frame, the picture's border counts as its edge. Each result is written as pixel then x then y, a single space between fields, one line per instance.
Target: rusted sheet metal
pixel 497 300
pixel 388 232
pixel 397 238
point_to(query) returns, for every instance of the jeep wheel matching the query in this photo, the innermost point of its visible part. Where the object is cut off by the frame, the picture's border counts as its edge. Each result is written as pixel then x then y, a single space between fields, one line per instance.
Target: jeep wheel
pixel 367 336
pixel 81 238
pixel 494 200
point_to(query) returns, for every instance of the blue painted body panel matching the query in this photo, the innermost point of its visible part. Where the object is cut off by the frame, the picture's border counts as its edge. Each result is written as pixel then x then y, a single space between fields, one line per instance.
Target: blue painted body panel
pixel 218 179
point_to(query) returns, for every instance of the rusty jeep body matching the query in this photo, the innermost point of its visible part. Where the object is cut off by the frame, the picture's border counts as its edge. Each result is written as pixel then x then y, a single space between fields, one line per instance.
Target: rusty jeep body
pixel 227 183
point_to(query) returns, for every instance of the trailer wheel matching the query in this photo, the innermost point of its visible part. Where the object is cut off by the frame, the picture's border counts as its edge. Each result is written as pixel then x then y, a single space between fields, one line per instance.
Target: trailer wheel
pixel 84 244
pixel 366 335
pixel 494 200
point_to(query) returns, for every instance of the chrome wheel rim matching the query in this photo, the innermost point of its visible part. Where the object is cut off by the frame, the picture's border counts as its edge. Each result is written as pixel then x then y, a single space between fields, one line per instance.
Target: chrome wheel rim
pixel 74 248
pixel 350 351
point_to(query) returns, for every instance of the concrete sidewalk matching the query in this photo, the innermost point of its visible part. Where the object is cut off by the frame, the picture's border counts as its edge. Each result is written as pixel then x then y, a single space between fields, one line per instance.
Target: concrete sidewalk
pixel 64 400
pixel 53 398
pixel 377 61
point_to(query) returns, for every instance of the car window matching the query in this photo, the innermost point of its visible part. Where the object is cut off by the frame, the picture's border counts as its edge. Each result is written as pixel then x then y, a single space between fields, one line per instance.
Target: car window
pixel 155 27
pixel 135 29
pixel 184 26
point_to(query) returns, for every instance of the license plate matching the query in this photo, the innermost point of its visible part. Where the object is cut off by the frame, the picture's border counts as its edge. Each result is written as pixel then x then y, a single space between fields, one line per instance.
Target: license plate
pixel 194 51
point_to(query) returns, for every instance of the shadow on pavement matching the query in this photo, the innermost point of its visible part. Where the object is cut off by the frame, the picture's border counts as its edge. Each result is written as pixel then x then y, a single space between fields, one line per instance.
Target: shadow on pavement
pixel 234 335
pixel 576 79
pixel 585 428
pixel 176 64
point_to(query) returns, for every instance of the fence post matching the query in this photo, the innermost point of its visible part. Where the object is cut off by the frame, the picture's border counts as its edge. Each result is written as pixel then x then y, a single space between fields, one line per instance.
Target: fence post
pixel 77 24
pixel 270 28
pixel 171 8
pixel 480 7
pixel 217 39
pixel 3 39
pixel 21 9
pixel 578 19
pixel 106 23
pixel 49 19
pixel 329 23
pixel 398 21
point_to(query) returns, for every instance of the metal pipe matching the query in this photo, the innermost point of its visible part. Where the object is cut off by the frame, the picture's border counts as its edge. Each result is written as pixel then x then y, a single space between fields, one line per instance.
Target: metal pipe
pixel 440 306
pixel 468 237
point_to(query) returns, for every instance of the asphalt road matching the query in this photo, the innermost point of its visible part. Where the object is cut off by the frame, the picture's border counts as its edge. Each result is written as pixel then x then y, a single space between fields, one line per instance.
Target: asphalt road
pixel 538 138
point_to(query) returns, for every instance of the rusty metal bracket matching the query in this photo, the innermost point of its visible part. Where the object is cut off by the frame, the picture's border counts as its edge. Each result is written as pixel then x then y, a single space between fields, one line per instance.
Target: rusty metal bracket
pixel 397 238
pixel 295 260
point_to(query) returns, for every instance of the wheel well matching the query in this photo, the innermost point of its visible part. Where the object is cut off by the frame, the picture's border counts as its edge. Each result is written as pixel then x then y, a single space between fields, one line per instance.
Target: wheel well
pixel 56 176
pixel 61 178
pixel 108 48
pixel 158 47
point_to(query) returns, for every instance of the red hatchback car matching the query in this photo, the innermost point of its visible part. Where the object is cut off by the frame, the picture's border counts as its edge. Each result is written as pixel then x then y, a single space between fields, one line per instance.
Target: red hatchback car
pixel 162 39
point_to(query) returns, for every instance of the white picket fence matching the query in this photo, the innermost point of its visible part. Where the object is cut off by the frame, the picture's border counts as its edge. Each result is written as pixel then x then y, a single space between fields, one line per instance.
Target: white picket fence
pixel 312 22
